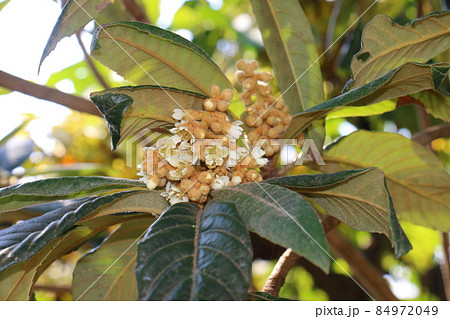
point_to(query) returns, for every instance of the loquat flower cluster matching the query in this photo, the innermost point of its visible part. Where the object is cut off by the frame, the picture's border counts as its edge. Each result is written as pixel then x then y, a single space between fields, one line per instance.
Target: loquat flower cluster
pixel 202 155
pixel 268 116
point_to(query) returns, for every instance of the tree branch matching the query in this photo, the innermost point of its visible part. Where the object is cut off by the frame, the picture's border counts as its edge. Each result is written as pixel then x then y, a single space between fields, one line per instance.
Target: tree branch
pixel 73 102
pixel 278 276
pixel 136 11
pixel 445 267
pixel 367 275
pixel 288 260
pixel 88 59
pixel 426 136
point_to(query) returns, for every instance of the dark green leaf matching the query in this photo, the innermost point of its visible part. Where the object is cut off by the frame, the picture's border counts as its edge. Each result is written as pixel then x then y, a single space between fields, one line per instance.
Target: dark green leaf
pixel 130 110
pixel 53 189
pixel 263 296
pixel 281 216
pixel 359 198
pixel 23 240
pixel 189 254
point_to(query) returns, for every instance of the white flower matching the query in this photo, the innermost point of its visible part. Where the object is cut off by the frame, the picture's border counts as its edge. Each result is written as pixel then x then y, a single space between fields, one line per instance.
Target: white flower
pixel 169 150
pixel 236 180
pixel 235 130
pixel 178 114
pixel 236 155
pixel 215 155
pixel 183 131
pixel 178 172
pixel 220 182
pixel 257 154
pixel 174 195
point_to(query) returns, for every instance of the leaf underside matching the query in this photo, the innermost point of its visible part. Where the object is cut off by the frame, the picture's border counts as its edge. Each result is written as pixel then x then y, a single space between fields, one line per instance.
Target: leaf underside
pixel 130 111
pixel 410 78
pixel 74 16
pixel 147 55
pixel 117 254
pixel 359 198
pixel 387 45
pixel 417 181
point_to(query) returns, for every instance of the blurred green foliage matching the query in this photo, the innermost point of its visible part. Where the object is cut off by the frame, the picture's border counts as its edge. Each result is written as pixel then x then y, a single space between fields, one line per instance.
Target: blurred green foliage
pixel 227 31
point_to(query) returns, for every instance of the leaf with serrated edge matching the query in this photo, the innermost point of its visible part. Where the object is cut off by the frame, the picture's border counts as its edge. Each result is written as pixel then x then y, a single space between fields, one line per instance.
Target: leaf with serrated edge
pixel 189 254
pixel 147 55
pixel 17 281
pixel 129 110
pixel 74 16
pixel 53 189
pixel 417 180
pixel 290 45
pixel 408 79
pixel 387 45
pixel 435 103
pixel 21 241
pixel 359 198
pixel 119 251
pixel 21 276
pixel 275 213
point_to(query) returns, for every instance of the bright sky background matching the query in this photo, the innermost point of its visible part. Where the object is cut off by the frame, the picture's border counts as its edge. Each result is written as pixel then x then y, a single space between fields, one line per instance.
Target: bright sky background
pixel 25 26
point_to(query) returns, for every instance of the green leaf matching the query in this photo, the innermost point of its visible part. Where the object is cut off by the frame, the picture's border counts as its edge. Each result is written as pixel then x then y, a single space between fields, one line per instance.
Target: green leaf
pixel 147 55
pixel 74 16
pixel 417 180
pixel 387 45
pixel 359 198
pixel 263 296
pixel 189 254
pixel 3 4
pixel 129 110
pixel 290 45
pixel 109 268
pixel 355 111
pixel 435 103
pixel 53 189
pixel 408 79
pixel 17 281
pixel 147 202
pixel 22 241
pixel 34 244
pixel 281 216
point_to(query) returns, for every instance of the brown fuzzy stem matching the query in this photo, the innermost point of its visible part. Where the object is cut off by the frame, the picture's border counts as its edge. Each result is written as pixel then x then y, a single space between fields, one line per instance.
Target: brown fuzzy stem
pixel 288 260
pixel 278 276
pixel 136 11
pixel 73 102
pixel 91 64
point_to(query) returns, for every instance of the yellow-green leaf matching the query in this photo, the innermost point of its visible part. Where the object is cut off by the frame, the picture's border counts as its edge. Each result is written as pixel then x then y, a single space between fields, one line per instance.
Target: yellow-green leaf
pixel 387 45
pixel 290 45
pixel 75 15
pixel 417 180
pixel 147 55
pixel 117 254
pixel 410 78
